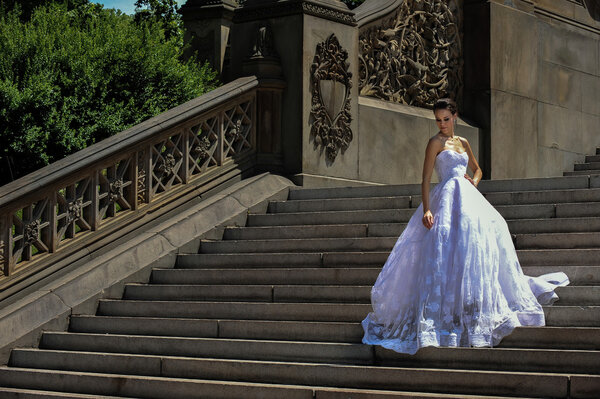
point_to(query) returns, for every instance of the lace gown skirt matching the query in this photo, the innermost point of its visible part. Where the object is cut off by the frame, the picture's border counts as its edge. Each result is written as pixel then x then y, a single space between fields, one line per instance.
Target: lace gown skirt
pixel 459 283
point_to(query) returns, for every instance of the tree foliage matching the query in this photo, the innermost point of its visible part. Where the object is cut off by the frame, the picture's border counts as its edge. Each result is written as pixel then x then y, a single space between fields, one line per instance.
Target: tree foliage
pixel 71 76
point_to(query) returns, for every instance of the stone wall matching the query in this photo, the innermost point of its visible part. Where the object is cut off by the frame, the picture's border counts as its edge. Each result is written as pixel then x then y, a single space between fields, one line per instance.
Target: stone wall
pixel 536 89
pixel 393 138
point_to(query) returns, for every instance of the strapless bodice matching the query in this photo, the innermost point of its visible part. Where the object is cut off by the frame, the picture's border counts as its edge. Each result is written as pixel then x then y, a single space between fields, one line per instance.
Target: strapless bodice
pixel 450 163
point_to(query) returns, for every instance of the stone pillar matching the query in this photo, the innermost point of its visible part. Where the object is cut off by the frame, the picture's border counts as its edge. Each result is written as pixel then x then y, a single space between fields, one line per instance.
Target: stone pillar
pixel 264 63
pixel 299 28
pixel 207 26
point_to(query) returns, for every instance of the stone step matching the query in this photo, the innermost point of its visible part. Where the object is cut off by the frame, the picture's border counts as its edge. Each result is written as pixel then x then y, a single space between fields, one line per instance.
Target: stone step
pixel 19 393
pixel 557 240
pixel 485 186
pixel 571 295
pixel 516 226
pixel 333 217
pixel 578 275
pixel 527 257
pixel 364 244
pixel 581 173
pixel 339 204
pixel 556 225
pixel 368 244
pixel 317 231
pixel 296 374
pixel 582 338
pixel 531 211
pixel 413 201
pixel 273 275
pixel 499 359
pixel 218 348
pixel 588 166
pixel 288 259
pixel 592 158
pixel 550 257
pixel 543 197
pixel 559 316
pixel 254 293
pixel 144 386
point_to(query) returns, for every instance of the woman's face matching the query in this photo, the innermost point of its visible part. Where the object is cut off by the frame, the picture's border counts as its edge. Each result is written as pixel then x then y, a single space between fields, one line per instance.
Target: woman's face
pixel 444 120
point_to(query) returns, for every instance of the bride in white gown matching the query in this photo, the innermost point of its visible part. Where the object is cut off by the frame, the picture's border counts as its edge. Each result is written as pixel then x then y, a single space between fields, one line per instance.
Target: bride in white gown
pixel 453 277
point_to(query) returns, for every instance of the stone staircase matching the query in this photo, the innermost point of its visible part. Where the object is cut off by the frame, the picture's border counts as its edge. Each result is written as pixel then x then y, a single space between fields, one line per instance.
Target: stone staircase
pixel 591 166
pixel 273 310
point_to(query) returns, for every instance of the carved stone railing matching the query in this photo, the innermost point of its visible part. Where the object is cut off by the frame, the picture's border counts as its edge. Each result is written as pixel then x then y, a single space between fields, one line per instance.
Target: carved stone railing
pixel 66 206
pixel 410 51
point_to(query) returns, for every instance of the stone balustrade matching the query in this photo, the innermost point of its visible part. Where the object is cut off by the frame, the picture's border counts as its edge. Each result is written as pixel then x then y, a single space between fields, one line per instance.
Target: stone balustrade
pixel 66 207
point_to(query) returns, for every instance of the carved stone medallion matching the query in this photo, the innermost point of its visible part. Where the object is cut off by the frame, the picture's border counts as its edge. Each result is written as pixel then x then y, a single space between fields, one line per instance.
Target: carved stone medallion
pixel 415 57
pixel 330 108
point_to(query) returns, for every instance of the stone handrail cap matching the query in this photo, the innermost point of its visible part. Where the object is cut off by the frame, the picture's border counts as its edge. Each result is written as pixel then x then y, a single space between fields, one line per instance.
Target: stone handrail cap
pixel 67 167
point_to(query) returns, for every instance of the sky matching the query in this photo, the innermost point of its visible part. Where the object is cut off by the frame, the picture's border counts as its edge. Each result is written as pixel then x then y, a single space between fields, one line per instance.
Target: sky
pixel 127 6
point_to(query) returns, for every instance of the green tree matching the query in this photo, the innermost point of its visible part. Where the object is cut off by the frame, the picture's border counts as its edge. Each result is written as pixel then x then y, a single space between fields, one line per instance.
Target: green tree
pixel 69 78
pixel 163 12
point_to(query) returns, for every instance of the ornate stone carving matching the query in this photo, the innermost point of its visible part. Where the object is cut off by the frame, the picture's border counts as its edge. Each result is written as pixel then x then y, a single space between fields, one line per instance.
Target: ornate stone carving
pixel 166 168
pixel 236 131
pixel 115 190
pixel 31 232
pixel 141 177
pixel 263 43
pixel 277 9
pixel 201 150
pixel 330 131
pixel 416 57
pixel 74 210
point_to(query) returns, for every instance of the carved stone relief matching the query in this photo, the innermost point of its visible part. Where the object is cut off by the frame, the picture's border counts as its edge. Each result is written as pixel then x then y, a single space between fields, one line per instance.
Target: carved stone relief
pixel 415 57
pixel 330 108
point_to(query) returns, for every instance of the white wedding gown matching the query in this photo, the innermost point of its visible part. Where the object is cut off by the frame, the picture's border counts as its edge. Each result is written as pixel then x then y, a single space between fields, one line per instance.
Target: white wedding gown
pixel 459 283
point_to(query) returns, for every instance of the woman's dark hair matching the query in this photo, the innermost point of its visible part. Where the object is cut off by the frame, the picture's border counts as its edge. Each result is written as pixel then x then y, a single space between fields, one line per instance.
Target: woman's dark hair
pixel 445 103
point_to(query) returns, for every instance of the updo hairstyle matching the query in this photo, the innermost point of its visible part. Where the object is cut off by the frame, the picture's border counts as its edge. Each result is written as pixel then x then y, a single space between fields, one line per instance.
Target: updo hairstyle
pixel 445 103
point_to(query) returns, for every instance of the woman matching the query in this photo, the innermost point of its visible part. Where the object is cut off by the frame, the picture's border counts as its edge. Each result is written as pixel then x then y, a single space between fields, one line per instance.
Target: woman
pixel 453 277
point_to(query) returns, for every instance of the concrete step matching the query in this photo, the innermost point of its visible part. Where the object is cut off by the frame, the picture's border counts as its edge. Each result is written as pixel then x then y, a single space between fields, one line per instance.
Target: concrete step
pixel 557 240
pixel 303 374
pixel 287 259
pixel 19 393
pixel 588 166
pixel 500 359
pixel 550 257
pixel 361 244
pixel 559 316
pixel 144 386
pixel 339 204
pixel 582 338
pixel 592 158
pixel 578 275
pixel 571 295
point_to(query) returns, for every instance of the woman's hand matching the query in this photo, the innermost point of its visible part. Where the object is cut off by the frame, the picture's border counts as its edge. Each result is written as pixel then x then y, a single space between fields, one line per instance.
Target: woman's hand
pixel 428 219
pixel 469 178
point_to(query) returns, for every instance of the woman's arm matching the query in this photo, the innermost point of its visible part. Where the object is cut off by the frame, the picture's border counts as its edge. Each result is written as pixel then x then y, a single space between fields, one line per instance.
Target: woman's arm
pixel 434 146
pixel 473 165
